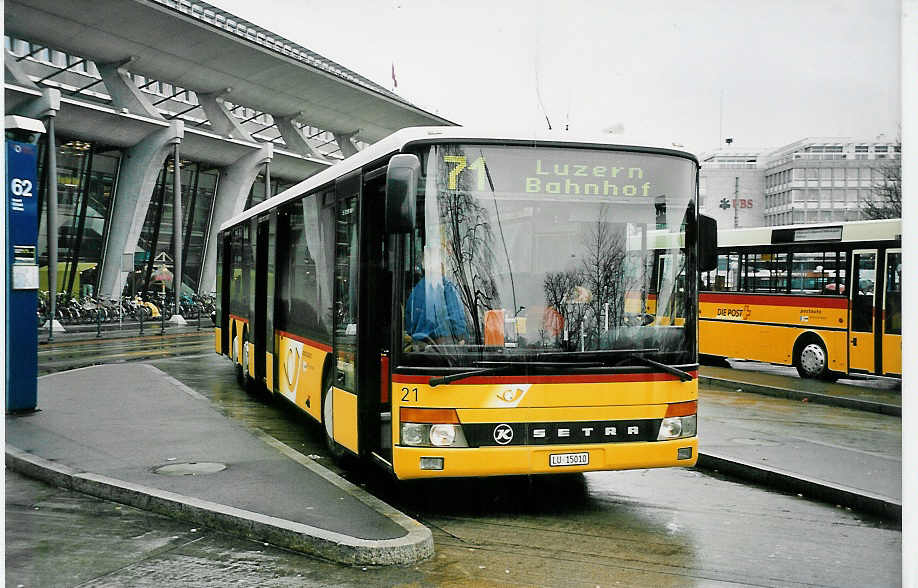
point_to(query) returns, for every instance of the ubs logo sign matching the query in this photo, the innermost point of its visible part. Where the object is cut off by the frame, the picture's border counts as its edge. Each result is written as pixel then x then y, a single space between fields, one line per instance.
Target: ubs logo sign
pixel 503 434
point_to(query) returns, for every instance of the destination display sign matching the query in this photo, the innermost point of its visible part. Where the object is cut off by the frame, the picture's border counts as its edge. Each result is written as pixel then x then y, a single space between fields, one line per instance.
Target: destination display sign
pixel 567 172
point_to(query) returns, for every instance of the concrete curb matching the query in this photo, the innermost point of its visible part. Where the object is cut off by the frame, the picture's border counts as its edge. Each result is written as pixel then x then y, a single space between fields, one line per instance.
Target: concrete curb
pixel 417 545
pixel 814 397
pixel 860 500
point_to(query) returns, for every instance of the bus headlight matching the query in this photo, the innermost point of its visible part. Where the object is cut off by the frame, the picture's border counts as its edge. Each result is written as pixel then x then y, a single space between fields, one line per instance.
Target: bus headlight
pixel 414 433
pixel 678 427
pixel 432 435
pixel 431 427
pixel 442 435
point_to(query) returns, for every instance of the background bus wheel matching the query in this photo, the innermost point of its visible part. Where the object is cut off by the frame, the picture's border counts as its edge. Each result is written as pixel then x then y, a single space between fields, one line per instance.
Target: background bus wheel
pixel 713 360
pixel 813 362
pixel 338 453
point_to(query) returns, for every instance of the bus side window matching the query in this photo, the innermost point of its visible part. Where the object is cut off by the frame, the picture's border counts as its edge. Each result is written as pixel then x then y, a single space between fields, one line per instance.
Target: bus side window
pixel 766 272
pixel 893 294
pixel 708 280
pixel 727 276
pixel 818 272
pixel 862 284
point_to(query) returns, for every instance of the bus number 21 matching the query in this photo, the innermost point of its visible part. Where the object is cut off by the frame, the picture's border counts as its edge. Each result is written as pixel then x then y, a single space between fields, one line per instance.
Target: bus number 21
pixel 406 393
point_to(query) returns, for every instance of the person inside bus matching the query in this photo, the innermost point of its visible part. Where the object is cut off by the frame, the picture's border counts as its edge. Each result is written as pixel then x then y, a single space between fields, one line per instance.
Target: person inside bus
pixel 434 313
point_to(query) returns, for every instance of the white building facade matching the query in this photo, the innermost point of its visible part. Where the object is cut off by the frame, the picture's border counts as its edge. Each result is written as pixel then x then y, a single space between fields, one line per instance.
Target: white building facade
pixel 813 180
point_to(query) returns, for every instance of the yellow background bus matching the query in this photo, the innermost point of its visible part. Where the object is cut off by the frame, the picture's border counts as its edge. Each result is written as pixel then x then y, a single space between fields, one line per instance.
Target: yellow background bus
pixel 826 299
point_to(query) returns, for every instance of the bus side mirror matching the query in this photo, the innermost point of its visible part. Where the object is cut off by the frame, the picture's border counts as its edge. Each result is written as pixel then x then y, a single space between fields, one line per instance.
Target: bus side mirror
pixel 707 243
pixel 401 192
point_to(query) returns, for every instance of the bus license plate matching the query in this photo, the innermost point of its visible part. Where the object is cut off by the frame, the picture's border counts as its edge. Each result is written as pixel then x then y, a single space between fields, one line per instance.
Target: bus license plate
pixel 568 459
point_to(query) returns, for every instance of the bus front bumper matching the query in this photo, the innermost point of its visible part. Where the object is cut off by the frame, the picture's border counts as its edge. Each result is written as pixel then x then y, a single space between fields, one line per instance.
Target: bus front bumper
pixel 435 462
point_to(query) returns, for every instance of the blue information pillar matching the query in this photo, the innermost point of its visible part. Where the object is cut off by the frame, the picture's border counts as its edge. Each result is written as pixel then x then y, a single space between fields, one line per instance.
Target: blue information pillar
pixel 21 276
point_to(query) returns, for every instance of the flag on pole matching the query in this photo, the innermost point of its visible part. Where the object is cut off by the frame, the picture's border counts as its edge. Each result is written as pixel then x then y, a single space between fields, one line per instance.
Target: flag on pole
pixel 394 81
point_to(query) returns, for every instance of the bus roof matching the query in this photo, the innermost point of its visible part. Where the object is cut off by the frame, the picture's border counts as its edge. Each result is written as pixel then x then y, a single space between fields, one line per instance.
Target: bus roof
pixel 399 140
pixel 871 230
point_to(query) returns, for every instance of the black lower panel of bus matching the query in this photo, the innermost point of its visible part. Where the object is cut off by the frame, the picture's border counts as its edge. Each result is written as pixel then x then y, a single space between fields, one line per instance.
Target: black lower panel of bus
pixel 498 434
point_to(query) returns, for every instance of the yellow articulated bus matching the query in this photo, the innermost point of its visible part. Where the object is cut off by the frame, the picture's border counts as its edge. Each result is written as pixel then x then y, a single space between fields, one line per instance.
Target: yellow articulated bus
pixel 826 299
pixel 448 303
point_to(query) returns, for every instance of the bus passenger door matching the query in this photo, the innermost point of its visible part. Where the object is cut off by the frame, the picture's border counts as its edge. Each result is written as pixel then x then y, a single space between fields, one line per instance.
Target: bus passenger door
pixel 892 314
pixel 861 315
pixel 259 328
pixel 339 407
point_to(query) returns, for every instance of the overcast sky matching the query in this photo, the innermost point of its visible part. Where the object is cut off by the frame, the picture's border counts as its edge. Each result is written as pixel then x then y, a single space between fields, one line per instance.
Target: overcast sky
pixel 782 69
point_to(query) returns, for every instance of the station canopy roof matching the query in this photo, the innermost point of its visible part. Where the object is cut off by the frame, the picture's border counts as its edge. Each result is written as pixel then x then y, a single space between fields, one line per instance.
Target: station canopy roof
pixel 207 50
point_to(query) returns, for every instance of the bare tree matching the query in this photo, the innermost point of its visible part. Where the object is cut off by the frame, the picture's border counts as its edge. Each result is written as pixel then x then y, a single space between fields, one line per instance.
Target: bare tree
pixel 469 252
pixel 560 292
pixel 887 192
pixel 603 273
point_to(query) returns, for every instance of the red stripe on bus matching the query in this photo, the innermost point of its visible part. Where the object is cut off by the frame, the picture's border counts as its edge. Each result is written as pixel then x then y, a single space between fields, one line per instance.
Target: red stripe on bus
pixel 239 318
pixel 310 342
pixel 566 379
pixel 384 378
pixel 776 300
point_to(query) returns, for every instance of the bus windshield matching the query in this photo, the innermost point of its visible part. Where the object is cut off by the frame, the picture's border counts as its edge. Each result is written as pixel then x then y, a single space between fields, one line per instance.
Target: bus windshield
pixel 544 256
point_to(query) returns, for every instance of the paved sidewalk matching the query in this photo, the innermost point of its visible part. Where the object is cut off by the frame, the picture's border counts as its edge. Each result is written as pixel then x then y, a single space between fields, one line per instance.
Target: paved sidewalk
pixel 839 455
pixel 108 430
pixel 884 396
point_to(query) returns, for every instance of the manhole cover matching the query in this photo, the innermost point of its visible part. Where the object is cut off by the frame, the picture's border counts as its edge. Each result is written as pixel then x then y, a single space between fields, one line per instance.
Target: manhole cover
pixel 748 441
pixel 193 468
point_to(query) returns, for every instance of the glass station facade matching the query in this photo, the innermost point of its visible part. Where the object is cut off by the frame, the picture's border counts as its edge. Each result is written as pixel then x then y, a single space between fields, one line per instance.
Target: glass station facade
pixel 87 175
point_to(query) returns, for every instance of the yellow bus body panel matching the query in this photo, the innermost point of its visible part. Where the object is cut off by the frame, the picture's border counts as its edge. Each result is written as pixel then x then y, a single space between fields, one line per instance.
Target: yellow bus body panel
pixel 517 460
pixel 250 369
pixel 586 395
pixel 863 355
pixel 269 372
pixel 892 354
pixel 218 341
pixel 299 374
pixel 739 332
pixel 344 418
pixel 772 344
pixel 542 402
pixel 573 413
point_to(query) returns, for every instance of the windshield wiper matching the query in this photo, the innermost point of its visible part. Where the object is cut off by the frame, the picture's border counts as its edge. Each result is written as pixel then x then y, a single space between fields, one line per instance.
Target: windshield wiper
pixel 462 375
pixel 497 367
pixel 682 375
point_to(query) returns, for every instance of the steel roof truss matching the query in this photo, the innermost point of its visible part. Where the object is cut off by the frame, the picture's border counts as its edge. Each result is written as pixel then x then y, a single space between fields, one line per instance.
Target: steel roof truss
pixel 61 70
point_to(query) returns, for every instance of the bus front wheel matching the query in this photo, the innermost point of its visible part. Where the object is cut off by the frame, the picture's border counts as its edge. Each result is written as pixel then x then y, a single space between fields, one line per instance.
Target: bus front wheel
pixel 812 361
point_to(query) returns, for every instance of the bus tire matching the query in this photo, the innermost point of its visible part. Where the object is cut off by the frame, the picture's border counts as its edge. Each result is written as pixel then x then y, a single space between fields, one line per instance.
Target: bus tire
pixel 338 452
pixel 713 360
pixel 811 359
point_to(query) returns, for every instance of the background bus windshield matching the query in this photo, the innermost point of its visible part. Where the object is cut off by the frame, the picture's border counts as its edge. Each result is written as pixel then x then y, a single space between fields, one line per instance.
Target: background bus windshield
pixel 547 254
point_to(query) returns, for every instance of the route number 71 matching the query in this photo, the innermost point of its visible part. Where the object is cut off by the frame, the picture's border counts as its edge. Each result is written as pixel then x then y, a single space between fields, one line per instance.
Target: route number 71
pixel 461 164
